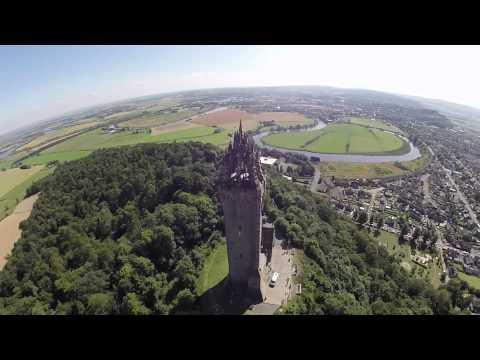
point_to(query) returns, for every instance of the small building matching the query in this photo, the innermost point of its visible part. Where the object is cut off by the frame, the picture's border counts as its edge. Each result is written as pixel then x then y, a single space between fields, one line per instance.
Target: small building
pixel 267 240
pixel 475 305
pixel 452 272
pixel 471 270
pixel 323 188
pixel 267 160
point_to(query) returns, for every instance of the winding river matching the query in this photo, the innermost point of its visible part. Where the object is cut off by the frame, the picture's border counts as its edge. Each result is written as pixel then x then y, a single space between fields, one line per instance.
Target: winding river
pixel 413 154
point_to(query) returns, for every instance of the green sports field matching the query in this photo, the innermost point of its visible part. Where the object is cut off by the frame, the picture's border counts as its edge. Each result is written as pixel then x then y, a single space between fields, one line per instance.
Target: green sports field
pixel 341 139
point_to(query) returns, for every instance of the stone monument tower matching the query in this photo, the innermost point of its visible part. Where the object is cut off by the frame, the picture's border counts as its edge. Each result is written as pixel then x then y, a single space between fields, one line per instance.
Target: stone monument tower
pixel 241 188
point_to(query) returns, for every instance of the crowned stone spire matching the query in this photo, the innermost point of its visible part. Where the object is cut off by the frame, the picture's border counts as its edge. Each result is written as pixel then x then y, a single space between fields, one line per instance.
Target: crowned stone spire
pixel 241 163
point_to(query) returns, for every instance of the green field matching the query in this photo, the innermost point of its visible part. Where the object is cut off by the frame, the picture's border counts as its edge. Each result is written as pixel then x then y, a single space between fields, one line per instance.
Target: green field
pixel 82 145
pixel 10 178
pixel 390 241
pixel 473 281
pixel 8 162
pixel 9 200
pixel 44 158
pixel 341 139
pixel 98 139
pixel 375 124
pixel 215 269
pixel 152 120
pixel 63 132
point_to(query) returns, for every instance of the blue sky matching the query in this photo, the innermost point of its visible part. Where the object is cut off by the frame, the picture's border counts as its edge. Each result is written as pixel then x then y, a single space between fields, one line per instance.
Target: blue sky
pixel 38 82
pixel 43 81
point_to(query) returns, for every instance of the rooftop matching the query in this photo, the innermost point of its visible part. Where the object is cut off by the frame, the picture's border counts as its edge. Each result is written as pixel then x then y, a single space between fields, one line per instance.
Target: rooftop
pixel 267 160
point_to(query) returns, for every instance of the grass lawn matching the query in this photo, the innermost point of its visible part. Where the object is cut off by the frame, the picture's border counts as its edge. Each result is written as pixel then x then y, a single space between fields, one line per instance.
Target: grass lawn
pixel 359 170
pixel 10 178
pixel 298 260
pixel 44 158
pixel 375 124
pixel 9 200
pixel 473 281
pixel 341 139
pixel 215 269
pixel 390 241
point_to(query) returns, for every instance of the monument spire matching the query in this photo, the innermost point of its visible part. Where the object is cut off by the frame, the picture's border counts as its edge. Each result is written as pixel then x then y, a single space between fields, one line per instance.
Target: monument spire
pixel 241 190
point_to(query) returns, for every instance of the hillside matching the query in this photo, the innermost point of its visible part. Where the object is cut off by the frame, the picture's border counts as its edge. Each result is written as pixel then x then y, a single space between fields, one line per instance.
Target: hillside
pixel 450 109
pixel 127 230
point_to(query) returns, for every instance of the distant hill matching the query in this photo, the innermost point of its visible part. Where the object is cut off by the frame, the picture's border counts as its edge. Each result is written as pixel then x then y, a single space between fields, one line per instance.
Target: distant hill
pixel 449 109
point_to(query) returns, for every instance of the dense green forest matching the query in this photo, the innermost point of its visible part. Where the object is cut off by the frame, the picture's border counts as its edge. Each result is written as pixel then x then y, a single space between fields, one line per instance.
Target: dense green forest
pixel 123 231
pixel 126 231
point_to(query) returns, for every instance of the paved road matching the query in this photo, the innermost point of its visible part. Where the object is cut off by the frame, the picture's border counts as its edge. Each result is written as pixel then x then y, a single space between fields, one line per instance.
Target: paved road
pixel 282 262
pixel 263 309
pixel 374 193
pixel 460 194
pixel 440 244
pixel 426 186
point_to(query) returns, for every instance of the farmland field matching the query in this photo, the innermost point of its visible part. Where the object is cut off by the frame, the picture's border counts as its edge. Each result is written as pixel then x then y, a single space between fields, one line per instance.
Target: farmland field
pixel 9 200
pixel 283 118
pixel 43 139
pixel 44 158
pixel 375 124
pixel 202 128
pixel 10 178
pixel 227 119
pixel 9 227
pixel 152 120
pixel 230 118
pixel 341 139
pixel 98 139
pixel 180 125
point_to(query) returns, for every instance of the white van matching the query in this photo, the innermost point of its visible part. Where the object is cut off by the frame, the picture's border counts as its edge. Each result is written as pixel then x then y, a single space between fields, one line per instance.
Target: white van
pixel 274 279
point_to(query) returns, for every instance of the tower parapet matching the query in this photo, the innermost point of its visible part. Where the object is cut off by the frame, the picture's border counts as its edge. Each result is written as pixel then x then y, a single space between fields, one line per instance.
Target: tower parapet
pixel 241 165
